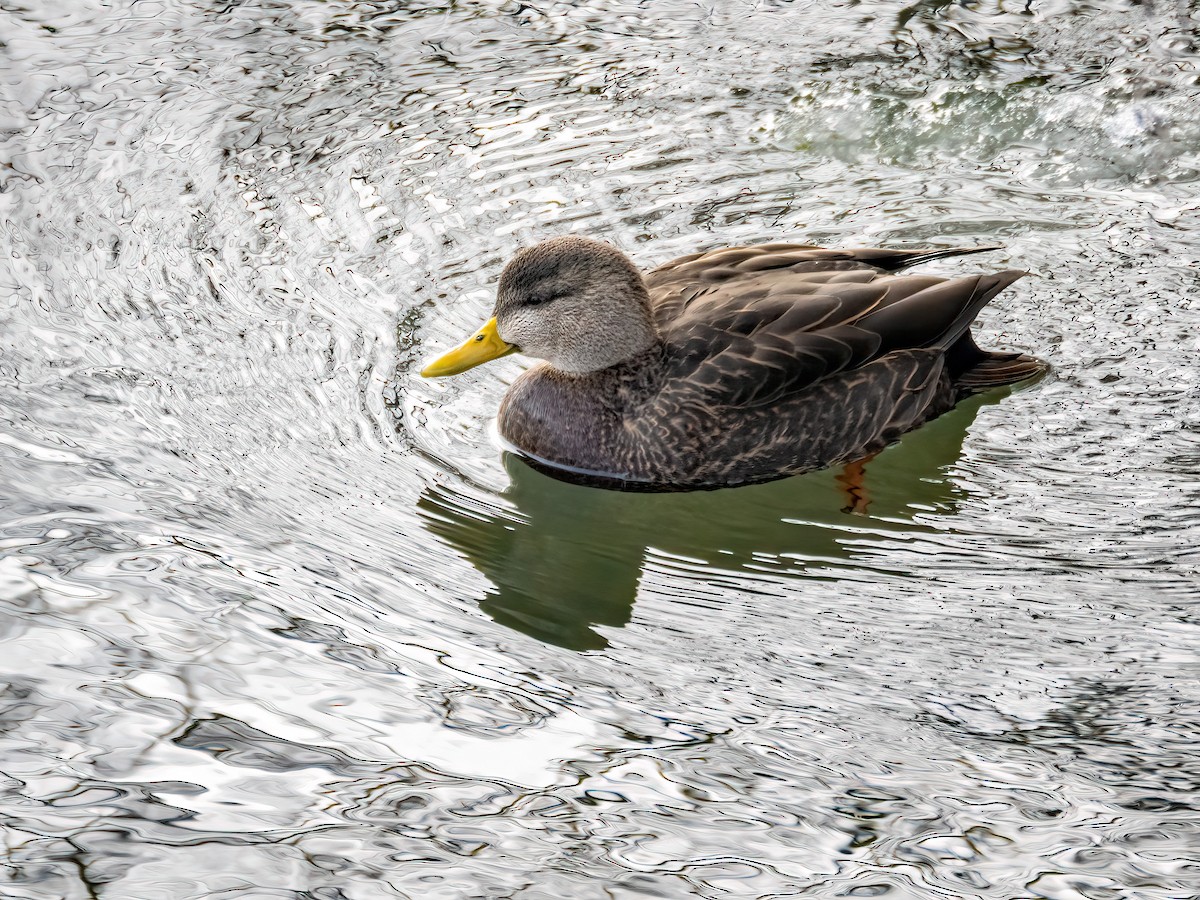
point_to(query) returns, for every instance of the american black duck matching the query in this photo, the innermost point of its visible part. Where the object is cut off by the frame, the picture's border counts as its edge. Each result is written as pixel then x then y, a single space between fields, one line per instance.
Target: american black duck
pixel 730 366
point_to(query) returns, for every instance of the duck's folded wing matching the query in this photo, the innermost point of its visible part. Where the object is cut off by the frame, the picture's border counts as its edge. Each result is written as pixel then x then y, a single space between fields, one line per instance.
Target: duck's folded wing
pixel 750 351
pixel 717 266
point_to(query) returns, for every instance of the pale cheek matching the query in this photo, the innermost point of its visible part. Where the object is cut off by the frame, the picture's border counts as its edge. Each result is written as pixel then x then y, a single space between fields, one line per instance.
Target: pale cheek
pixel 522 329
pixel 512 330
pixel 547 332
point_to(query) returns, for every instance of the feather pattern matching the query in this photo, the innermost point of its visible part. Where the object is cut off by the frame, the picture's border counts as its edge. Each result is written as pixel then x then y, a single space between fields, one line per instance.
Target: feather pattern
pixel 770 360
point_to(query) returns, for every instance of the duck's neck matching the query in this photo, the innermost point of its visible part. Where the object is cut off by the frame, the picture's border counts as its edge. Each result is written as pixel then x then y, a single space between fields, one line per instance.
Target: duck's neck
pixel 622 341
pixel 629 382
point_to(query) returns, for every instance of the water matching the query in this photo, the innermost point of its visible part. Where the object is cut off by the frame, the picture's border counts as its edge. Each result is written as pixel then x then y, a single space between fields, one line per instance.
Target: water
pixel 282 621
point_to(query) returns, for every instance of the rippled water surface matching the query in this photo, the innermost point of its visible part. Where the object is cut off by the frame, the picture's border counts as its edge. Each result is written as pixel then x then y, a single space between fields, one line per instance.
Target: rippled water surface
pixel 281 620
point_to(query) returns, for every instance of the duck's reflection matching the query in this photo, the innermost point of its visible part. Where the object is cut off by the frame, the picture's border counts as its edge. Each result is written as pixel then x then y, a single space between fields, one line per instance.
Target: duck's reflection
pixel 563 558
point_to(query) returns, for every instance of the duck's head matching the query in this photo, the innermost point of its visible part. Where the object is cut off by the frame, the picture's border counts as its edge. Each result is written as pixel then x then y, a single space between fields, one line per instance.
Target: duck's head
pixel 578 304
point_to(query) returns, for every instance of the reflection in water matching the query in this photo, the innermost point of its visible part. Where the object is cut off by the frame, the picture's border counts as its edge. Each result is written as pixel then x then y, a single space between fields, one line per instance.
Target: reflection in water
pixel 563 558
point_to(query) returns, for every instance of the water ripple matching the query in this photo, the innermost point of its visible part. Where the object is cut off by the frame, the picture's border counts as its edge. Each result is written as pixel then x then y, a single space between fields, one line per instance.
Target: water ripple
pixel 282 620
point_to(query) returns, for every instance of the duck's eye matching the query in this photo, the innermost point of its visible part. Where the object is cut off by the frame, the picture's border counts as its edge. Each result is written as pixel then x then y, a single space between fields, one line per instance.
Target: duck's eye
pixel 540 298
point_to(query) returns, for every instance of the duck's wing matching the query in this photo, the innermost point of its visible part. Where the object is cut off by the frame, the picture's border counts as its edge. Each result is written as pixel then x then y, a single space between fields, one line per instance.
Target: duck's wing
pixel 742 269
pixel 751 341
pixel 757 258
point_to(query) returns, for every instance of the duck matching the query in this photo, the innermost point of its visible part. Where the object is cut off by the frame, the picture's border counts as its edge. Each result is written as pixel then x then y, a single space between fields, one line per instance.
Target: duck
pixel 729 366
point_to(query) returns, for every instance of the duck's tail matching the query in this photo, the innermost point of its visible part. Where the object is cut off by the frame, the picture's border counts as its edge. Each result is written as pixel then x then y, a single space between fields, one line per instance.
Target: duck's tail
pixel 974 369
pixel 895 260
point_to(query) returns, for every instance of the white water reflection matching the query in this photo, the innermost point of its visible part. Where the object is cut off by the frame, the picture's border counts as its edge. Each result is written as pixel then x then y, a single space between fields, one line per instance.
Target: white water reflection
pixel 278 621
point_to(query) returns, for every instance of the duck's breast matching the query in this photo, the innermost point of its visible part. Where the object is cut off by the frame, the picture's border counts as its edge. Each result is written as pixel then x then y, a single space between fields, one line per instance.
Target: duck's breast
pixel 562 419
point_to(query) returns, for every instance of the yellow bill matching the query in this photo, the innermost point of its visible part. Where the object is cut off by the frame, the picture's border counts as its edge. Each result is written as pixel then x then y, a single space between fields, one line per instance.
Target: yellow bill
pixel 483 346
